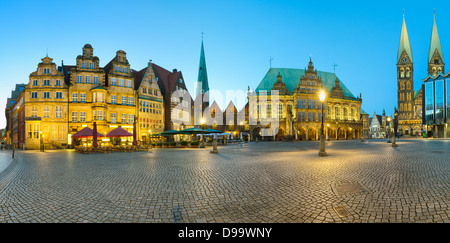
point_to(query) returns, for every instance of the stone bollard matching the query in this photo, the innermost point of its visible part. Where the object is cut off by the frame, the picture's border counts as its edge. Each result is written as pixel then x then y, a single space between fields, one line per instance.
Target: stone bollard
pixel 214 151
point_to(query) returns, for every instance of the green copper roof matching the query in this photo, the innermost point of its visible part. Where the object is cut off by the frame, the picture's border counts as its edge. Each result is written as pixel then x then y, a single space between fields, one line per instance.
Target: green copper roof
pixel 290 77
pixel 363 112
pixel 435 43
pixel 416 92
pixel 202 84
pixel 404 42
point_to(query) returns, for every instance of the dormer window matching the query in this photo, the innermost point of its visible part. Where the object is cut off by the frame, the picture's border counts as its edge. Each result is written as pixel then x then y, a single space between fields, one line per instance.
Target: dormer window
pixel 124 69
pixel 46 70
pixel 117 69
pixel 91 65
pixel 83 65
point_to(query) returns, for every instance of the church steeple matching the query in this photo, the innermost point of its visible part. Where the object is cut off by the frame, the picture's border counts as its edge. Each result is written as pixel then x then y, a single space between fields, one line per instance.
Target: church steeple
pixel 435 54
pixel 405 81
pixel 404 48
pixel 202 82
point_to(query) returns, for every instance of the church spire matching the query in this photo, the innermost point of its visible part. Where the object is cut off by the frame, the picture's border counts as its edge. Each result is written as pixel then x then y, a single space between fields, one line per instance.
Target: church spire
pixel 435 54
pixel 404 42
pixel 435 43
pixel 202 82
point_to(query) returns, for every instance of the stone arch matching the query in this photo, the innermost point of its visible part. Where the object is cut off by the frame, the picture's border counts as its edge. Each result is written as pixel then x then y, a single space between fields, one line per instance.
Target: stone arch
pixel 358 133
pixel 331 133
pixel 341 134
pixel 301 133
pixel 312 133
pixel 416 131
pixel 407 130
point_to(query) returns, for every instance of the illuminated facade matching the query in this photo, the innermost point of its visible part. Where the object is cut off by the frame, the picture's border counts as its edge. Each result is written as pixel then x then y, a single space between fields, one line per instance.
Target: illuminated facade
pixel 411 102
pixel 46 107
pixel 59 101
pixel 149 103
pixel 297 112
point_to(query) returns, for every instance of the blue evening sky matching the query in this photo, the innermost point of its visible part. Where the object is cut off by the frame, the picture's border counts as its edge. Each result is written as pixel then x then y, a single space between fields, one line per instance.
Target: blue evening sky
pixel 361 37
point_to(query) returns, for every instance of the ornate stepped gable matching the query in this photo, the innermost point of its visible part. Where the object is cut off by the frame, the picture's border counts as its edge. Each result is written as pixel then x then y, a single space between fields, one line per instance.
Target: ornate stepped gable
pixel 280 86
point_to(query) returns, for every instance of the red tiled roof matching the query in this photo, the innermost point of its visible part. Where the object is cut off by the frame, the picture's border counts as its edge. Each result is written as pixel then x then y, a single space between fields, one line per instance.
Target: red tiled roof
pixel 138 76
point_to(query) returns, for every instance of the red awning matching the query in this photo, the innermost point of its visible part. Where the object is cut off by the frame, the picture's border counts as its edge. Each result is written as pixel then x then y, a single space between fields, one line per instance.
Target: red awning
pixel 119 132
pixel 85 133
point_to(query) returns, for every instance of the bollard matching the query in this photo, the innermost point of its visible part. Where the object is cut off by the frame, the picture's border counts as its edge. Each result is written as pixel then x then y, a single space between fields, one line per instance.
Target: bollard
pixel 13 151
pixel 214 151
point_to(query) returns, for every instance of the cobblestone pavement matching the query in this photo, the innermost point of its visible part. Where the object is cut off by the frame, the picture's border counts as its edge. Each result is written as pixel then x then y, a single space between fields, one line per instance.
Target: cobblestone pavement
pixel 254 182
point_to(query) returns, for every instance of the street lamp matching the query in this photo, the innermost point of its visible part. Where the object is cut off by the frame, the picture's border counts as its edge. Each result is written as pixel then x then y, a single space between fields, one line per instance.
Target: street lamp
pixel 395 127
pixel 150 139
pixel 328 132
pixel 389 131
pixel 202 144
pixel 322 152
pixel 42 141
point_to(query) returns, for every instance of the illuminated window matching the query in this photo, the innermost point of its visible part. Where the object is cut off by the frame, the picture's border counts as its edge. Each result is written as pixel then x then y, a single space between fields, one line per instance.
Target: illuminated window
pixel 46 113
pixel 82 116
pixel 83 97
pixel 34 111
pixel 58 111
pixel 74 97
pixel 113 118
pixel 74 116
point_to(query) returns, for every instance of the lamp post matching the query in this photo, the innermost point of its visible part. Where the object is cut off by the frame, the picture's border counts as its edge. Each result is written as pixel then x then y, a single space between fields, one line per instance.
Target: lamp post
pixel 328 132
pixel 395 127
pixel 202 144
pixel 150 139
pixel 322 152
pixel 388 130
pixel 41 140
